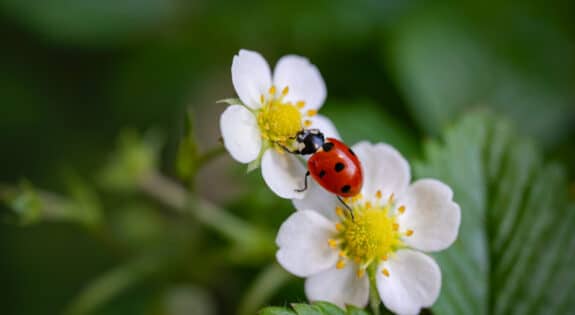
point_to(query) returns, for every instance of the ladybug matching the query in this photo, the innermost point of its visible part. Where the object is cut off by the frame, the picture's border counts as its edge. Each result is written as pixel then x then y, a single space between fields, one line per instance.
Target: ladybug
pixel 332 164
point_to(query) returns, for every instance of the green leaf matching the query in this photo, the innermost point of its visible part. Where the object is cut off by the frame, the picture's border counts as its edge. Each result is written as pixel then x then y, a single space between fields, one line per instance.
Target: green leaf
pixel 306 309
pixel 253 165
pixel 316 308
pixel 445 65
pixel 92 23
pixel 328 308
pixel 231 101
pixel 514 253
pixel 275 310
pixel 352 310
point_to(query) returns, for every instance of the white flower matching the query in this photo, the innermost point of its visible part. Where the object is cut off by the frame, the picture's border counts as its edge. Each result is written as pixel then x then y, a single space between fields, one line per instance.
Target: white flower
pixel 271 112
pixel 393 223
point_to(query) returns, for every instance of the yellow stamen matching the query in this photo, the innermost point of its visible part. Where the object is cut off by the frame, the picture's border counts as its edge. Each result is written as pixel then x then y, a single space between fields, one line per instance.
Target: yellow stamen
pixel 279 121
pixel 356 197
pixel 378 194
pixel 311 112
pixel 332 243
pixel 272 90
pixel 385 272
pixel 300 104
pixel 370 237
pixel 262 99
pixel 307 123
pixel 340 264
pixel 409 233
pixel 391 198
pixel 285 91
pixel 401 209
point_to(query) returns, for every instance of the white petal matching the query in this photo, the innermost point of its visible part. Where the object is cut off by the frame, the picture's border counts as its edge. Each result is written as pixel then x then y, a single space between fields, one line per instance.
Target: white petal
pixel 241 134
pixel 338 286
pixel 303 79
pixel 431 214
pixel 384 169
pixel 414 282
pixel 251 77
pixel 283 173
pixel 303 247
pixel 325 125
pixel 318 199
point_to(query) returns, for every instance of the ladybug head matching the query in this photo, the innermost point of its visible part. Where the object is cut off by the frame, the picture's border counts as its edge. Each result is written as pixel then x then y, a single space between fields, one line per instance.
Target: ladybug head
pixel 309 141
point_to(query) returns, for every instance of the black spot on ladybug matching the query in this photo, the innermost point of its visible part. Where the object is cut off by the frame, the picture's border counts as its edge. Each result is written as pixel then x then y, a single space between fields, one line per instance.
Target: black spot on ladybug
pixel 327 146
pixel 351 151
pixel 345 189
pixel 321 173
pixel 339 167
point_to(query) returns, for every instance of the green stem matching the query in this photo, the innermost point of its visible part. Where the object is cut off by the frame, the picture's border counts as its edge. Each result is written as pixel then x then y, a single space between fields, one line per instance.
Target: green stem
pixel 374 300
pixel 262 288
pixel 200 161
pixel 209 155
pixel 177 197
pixel 114 282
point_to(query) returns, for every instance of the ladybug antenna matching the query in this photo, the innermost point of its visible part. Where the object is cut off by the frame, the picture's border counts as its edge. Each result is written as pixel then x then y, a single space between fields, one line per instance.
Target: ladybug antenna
pixel 346 206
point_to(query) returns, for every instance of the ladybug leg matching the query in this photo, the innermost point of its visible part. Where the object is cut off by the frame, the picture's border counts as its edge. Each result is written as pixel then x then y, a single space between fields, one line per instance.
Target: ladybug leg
pixel 304 183
pixel 346 207
pixel 288 150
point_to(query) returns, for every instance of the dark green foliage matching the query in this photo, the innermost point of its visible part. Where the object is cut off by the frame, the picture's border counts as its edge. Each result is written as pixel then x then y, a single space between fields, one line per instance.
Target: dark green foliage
pixel 76 74
pixel 516 223
pixel 317 308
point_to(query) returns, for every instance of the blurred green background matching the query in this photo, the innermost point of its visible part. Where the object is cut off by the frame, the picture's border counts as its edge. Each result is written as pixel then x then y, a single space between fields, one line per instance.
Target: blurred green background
pixel 77 75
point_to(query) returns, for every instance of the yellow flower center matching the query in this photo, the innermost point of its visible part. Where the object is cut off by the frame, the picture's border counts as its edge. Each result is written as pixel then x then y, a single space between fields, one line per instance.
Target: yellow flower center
pixel 371 235
pixel 279 121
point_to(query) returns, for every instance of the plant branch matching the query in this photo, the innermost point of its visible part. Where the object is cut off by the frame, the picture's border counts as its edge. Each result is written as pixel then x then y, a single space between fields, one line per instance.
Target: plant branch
pixel 176 197
pixel 272 278
pixel 209 155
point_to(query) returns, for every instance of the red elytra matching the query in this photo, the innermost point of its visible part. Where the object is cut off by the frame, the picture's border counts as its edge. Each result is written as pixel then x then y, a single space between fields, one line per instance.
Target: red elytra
pixel 336 168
